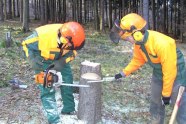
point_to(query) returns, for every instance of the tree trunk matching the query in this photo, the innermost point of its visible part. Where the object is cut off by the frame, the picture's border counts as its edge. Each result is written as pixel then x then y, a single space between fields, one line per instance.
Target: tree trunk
pixel 64 11
pixel 89 107
pixel 77 11
pixel 153 15
pixel 51 10
pixel 17 8
pixel 85 11
pixel 59 2
pixel 184 21
pixel 42 12
pixel 80 11
pixel 114 8
pixel 88 10
pixel 74 10
pixel 9 13
pixel 123 8
pixel 110 14
pixel 25 15
pixel 182 12
pixel 46 9
pixel 101 15
pixel 1 11
pixel 13 8
pixel 171 17
pixel 5 9
pixel 21 10
pixel 146 12
pixel 55 10
pixel 164 16
pixel 35 9
pixel 96 15
pixel 178 20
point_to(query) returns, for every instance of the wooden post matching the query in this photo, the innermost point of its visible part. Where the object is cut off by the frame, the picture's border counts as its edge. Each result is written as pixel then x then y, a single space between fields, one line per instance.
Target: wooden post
pixel 8 39
pixel 89 107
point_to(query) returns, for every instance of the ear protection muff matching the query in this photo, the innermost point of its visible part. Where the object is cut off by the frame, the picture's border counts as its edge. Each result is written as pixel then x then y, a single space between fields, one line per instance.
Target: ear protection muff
pixel 137 35
pixel 63 40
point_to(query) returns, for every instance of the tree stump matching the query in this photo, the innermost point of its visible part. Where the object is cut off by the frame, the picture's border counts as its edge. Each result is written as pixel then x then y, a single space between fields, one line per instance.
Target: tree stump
pixel 8 39
pixel 89 107
pixel 90 67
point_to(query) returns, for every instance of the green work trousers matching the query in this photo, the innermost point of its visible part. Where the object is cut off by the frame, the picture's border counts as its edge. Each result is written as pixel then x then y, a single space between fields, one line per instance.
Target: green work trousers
pixel 157 110
pixel 48 95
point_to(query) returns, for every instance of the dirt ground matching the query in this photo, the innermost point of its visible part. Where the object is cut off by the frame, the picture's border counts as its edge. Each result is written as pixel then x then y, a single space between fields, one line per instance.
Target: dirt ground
pixel 23 106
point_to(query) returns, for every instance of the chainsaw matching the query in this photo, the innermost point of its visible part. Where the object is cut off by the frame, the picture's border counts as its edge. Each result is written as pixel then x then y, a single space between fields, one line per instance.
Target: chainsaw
pixel 52 78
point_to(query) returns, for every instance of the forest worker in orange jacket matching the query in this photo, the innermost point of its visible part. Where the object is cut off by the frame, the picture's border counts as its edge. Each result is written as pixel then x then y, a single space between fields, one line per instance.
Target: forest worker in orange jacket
pixel 160 52
pixel 55 44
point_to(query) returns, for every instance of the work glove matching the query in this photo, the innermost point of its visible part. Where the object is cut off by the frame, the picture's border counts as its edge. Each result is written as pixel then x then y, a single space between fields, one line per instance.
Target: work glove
pixel 59 64
pixel 52 78
pixel 119 76
pixel 165 100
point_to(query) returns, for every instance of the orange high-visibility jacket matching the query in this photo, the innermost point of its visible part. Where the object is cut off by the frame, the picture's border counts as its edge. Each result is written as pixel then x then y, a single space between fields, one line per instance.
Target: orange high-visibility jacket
pixel 162 53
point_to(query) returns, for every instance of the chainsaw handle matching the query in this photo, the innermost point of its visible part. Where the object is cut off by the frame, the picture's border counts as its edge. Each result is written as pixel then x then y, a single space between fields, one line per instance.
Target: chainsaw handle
pixel 46 73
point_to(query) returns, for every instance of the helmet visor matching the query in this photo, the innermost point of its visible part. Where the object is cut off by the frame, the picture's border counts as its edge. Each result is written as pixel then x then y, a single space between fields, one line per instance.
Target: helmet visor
pixel 116 32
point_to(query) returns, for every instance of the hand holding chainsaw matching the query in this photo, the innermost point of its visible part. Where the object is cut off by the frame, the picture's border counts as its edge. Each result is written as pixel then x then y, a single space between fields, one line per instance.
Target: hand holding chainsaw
pixel 52 78
pixel 48 78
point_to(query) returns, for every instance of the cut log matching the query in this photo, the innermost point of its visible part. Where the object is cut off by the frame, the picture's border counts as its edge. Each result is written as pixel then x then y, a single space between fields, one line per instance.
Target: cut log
pixel 90 67
pixel 89 107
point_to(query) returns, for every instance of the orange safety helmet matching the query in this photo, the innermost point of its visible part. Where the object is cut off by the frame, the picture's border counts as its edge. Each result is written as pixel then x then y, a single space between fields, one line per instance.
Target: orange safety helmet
pixel 74 33
pixel 126 27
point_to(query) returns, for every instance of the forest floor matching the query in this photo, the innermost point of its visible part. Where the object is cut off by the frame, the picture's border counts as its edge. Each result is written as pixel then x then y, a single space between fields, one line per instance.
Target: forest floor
pixel 126 102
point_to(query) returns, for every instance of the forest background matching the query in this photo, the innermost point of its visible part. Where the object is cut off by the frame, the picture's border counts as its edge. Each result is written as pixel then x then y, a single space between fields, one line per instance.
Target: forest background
pixel 126 102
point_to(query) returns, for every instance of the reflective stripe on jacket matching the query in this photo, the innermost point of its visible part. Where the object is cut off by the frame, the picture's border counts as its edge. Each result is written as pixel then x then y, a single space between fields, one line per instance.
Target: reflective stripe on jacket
pixel 162 55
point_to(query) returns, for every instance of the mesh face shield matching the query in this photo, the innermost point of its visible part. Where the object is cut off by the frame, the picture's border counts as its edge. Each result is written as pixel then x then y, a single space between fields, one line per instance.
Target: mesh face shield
pixel 116 32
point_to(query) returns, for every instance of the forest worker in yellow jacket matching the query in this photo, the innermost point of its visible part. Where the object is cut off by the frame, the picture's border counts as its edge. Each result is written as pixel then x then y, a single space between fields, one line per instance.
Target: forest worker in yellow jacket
pixel 160 52
pixel 55 44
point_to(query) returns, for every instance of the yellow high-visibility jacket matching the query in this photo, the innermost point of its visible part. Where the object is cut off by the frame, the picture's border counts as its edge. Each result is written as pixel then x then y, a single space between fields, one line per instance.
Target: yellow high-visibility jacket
pixel 161 54
pixel 45 40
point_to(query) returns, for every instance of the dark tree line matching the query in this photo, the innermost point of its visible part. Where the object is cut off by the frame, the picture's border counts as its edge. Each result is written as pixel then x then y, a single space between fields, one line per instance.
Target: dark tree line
pixel 167 16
